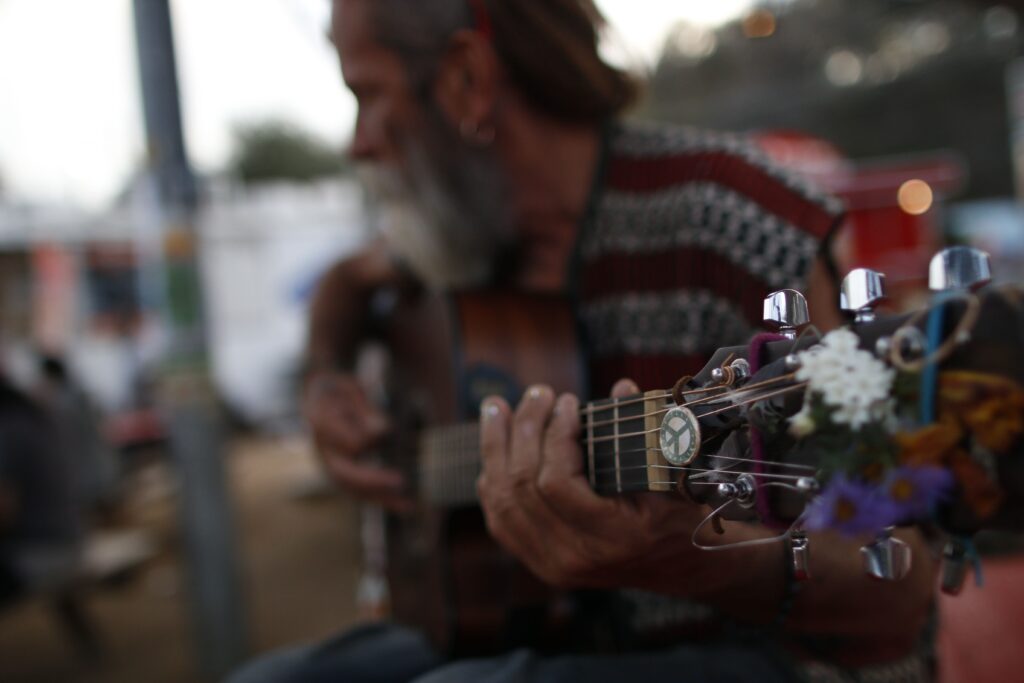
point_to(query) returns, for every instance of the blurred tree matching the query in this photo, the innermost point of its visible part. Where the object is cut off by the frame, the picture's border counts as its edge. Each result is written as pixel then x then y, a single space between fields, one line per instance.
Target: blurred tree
pixel 275 150
pixel 876 77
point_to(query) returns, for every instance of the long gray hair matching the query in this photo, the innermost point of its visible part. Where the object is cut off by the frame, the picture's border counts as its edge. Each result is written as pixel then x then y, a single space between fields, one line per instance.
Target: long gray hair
pixel 549 49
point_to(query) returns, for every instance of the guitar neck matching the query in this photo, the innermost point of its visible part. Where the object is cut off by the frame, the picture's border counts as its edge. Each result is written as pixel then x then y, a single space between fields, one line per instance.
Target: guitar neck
pixel 619 439
pixel 449 464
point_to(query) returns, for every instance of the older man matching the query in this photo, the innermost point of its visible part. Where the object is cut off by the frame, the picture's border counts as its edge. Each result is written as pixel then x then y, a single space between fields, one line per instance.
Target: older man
pixel 490 128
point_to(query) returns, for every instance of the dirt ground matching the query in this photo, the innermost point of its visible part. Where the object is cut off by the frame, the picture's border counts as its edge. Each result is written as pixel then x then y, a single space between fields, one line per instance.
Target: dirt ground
pixel 300 561
pixel 298 547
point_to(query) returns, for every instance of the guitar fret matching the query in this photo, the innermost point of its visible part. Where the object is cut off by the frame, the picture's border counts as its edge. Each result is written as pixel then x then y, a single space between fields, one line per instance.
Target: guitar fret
pixel 658 477
pixel 590 450
pixel 618 456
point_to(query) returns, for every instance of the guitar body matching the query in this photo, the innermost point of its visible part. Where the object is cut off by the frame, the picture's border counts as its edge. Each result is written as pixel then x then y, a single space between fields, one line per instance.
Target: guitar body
pixel 446 576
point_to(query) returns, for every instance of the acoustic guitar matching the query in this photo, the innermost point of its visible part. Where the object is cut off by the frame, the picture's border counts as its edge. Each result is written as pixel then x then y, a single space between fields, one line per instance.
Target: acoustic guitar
pixel 714 438
pixel 446 576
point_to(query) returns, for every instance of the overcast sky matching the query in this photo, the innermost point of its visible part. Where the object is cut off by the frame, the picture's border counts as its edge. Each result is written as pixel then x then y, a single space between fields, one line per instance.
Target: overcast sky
pixel 70 119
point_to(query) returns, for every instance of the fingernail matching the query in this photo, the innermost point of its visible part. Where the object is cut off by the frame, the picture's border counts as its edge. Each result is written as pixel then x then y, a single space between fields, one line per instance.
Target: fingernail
pixel 490 410
pixel 565 404
pixel 536 391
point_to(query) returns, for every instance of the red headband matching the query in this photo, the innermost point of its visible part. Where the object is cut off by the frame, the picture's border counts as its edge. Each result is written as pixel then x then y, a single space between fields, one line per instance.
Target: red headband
pixel 481 18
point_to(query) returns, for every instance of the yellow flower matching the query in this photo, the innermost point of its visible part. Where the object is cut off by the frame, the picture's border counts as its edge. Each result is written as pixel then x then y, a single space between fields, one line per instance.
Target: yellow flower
pixel 997 423
pixel 930 445
pixel 990 407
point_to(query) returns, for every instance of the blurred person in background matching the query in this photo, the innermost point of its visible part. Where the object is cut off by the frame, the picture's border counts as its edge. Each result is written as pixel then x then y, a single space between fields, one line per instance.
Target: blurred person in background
pixel 491 132
pixel 40 521
pixel 89 456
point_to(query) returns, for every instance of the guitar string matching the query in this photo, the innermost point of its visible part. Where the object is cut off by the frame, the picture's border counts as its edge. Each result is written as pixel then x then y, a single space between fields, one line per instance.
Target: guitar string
pixel 661 411
pixel 700 471
pixel 773 463
pixel 682 468
pixel 451 493
pixel 732 406
pixel 474 461
pixel 467 458
pixel 428 470
pixel 742 544
pixel 724 393
pixel 641 487
pixel 731 396
pixel 772 394
pixel 638 487
pixel 594 407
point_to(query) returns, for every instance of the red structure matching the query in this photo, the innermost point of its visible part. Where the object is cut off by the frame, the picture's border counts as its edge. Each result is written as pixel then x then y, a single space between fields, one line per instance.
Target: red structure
pixel 894 205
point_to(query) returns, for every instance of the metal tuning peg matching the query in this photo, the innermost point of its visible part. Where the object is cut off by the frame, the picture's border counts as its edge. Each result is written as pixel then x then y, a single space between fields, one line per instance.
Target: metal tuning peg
pixel 743 490
pixel 959 268
pixel 955 564
pixel 887 558
pixel 785 312
pixel 738 370
pixel 800 553
pixel 860 293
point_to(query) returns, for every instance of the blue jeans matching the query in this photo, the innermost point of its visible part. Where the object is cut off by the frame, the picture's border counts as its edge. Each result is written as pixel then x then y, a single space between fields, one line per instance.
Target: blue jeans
pixel 385 653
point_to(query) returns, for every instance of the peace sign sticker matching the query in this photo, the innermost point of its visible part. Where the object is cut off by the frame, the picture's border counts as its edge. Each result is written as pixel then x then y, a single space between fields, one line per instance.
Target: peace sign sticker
pixel 680 436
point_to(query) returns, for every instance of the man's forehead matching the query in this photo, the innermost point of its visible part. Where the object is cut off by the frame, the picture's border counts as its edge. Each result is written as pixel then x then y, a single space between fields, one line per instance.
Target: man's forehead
pixel 350 21
pixel 355 39
pixel 363 57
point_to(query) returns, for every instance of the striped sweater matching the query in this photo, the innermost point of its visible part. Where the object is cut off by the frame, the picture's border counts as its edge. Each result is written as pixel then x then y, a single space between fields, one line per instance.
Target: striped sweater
pixel 687 232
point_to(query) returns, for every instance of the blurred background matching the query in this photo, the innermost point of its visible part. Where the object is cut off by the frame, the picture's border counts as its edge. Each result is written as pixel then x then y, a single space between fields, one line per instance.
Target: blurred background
pixel 138 249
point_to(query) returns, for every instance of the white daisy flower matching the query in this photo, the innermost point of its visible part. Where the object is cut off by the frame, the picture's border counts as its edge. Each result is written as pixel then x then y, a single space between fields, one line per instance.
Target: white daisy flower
pixel 848 379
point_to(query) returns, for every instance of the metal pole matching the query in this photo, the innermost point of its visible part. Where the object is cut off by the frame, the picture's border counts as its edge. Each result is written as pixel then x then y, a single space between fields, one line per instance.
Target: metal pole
pixel 187 397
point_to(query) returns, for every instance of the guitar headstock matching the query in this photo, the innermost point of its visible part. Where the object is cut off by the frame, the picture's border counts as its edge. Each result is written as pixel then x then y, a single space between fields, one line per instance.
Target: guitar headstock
pixel 892 420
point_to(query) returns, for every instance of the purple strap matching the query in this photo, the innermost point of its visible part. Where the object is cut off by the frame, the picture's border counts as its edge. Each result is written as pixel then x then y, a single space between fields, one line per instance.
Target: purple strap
pixel 754 357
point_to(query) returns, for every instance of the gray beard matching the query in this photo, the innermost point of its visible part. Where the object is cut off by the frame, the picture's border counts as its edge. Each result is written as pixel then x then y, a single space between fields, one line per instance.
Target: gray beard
pixel 445 214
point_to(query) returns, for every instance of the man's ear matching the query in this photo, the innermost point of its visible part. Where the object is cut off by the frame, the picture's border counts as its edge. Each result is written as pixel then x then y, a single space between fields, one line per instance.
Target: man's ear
pixel 466 87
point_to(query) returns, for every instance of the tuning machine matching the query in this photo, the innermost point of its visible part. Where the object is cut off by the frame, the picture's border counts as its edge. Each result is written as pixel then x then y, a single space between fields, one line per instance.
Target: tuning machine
pixel 887 558
pixel 959 268
pixel 861 292
pixel 785 312
pixel 955 563
pixel 743 490
pixel 727 375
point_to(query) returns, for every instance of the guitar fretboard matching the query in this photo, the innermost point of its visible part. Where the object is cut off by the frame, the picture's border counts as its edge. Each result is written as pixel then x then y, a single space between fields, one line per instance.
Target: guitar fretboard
pixel 619 439
pixel 450 464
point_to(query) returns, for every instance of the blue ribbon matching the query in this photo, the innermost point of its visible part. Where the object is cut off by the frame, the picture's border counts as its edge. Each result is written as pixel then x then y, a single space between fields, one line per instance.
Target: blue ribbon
pixel 930 372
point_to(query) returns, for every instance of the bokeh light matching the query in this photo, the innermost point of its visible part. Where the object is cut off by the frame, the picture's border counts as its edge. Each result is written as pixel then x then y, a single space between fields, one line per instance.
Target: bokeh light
pixel 915 197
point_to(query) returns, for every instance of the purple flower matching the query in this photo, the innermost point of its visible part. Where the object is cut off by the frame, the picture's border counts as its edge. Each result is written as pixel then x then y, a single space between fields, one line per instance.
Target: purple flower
pixel 850 507
pixel 913 492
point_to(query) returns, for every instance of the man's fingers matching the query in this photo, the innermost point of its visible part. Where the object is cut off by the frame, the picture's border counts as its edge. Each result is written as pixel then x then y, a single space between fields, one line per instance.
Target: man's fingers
pixel 345 425
pixel 625 387
pixel 561 454
pixel 561 480
pixel 527 435
pixel 495 416
pixel 342 418
pixel 365 479
pixel 510 448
